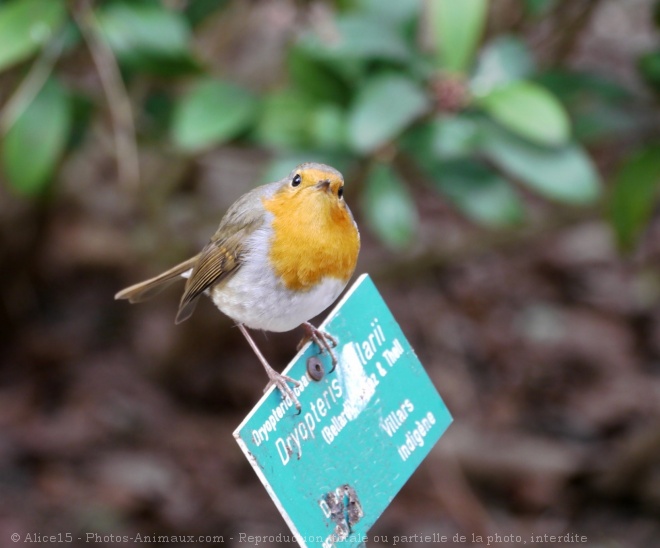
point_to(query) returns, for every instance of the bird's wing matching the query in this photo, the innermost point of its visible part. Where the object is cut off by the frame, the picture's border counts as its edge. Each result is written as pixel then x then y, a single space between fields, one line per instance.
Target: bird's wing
pixel 222 255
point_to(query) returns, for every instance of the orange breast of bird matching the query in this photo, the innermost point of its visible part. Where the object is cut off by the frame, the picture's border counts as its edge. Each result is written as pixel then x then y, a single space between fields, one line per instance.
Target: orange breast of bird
pixel 314 236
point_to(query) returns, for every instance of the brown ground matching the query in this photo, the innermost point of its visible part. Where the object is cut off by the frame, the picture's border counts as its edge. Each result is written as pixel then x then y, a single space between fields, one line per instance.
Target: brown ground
pixel 545 344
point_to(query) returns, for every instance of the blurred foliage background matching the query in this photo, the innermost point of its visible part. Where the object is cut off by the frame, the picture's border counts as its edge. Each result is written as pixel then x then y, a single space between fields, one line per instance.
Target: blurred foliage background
pixel 503 161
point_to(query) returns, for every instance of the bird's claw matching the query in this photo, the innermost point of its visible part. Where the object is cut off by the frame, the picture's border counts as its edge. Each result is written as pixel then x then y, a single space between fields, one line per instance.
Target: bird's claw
pixel 280 382
pixel 324 340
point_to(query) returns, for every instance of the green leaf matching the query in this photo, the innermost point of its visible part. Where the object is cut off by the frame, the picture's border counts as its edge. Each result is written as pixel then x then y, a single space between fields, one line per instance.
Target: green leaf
pixel 82 110
pixel 33 146
pixel 481 194
pixel 156 115
pixel 443 137
pixel 25 26
pixel 286 120
pixel 454 136
pixel 530 111
pixel 388 207
pixel 328 127
pixel 501 62
pixel 211 113
pixel 316 77
pixel 383 108
pixel 366 38
pixel 538 8
pixel 198 11
pixel 349 49
pixel 634 195
pixel 148 37
pixel 458 27
pixel 598 121
pixel 358 37
pixel 399 12
pixel 442 149
pixel 570 86
pixel 649 66
pixel 565 174
pixel 599 108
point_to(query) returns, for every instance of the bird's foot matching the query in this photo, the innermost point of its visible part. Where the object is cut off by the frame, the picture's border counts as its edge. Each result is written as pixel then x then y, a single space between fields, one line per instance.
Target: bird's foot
pixel 324 340
pixel 276 379
pixel 281 383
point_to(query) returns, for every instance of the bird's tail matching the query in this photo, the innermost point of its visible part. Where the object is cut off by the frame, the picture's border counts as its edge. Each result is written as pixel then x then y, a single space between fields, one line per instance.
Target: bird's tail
pixel 149 288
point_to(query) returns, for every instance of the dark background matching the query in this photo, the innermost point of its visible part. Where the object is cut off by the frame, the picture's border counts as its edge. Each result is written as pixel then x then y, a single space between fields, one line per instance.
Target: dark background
pixel 540 328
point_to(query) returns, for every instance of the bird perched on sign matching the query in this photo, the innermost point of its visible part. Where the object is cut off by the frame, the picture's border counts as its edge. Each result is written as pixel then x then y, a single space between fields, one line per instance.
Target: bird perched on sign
pixel 282 254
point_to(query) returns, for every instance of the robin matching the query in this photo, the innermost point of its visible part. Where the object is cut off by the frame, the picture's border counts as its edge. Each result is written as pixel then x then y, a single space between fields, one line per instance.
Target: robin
pixel 282 254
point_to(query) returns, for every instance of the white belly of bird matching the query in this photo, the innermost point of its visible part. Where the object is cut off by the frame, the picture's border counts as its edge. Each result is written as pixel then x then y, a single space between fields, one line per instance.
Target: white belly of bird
pixel 255 297
pixel 266 304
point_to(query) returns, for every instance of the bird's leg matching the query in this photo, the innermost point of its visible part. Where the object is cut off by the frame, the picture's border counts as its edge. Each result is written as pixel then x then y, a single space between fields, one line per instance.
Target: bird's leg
pixel 323 340
pixel 276 379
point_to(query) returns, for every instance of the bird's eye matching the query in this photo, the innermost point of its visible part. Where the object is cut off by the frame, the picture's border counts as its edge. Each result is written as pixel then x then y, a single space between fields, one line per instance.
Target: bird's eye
pixel 340 192
pixel 297 179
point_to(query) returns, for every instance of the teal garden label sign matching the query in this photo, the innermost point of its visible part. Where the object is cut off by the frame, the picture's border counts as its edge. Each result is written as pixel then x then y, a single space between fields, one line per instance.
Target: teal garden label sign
pixel 363 429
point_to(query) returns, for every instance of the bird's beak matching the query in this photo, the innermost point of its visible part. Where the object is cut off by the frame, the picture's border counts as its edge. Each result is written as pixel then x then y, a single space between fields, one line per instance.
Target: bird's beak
pixel 330 186
pixel 323 185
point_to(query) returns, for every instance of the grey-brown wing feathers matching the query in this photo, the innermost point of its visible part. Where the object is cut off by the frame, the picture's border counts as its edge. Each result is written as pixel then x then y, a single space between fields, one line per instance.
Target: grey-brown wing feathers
pixel 151 287
pixel 220 258
pixel 213 263
pixel 222 255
